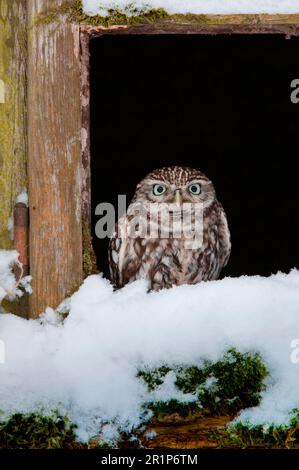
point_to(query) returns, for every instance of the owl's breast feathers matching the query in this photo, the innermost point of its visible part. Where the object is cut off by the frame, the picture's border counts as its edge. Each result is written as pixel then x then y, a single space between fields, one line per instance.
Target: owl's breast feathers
pixel 165 262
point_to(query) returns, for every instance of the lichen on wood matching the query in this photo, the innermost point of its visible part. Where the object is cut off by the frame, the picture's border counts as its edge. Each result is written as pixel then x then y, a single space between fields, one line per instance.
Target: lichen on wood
pixel 13 175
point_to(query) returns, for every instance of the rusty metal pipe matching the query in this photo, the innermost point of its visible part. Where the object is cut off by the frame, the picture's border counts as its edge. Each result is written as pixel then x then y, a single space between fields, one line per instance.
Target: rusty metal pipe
pixel 21 234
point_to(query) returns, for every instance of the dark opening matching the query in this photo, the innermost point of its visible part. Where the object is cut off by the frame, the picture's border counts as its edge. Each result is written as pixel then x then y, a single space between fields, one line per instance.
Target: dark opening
pixel 217 103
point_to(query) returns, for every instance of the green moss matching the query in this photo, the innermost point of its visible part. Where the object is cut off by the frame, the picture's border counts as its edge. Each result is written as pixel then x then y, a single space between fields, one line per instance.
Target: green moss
pixel 73 11
pixel 34 431
pixel 165 408
pixel 132 15
pixel 100 445
pixel 222 387
pixel 244 436
pixel 154 377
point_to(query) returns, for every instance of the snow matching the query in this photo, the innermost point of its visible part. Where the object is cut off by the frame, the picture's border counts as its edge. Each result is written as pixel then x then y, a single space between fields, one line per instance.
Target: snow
pixel 86 365
pixel 10 227
pixel 25 284
pixel 93 7
pixel 10 287
pixel 211 383
pixel 168 391
pixel 150 434
pixel 22 198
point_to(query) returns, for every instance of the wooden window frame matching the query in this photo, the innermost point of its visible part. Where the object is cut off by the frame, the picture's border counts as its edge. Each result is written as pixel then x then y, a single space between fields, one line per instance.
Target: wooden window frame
pixel 59 139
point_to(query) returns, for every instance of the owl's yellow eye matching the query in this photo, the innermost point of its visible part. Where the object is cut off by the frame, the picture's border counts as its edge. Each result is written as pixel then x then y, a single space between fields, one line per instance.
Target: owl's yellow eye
pixel 159 189
pixel 195 189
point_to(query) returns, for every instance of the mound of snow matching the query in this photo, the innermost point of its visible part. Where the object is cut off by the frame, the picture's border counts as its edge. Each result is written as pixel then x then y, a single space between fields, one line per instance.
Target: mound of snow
pixel 102 7
pixel 86 366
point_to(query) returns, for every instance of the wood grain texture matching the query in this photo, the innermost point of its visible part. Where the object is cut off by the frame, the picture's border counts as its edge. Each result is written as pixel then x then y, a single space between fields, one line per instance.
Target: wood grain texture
pixel 262 19
pixel 85 131
pixel 205 24
pixel 13 174
pixel 54 157
pixel 287 29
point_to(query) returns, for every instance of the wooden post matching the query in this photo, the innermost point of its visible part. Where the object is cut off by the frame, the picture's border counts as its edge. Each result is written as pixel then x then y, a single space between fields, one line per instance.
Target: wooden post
pixel 54 156
pixel 13 53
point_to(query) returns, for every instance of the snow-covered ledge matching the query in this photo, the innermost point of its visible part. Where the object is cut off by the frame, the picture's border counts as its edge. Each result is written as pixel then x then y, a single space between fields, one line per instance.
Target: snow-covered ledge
pixel 86 365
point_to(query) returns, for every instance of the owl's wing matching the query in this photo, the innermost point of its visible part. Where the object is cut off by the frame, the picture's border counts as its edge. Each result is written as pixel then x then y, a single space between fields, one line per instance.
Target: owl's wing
pixel 125 256
pixel 224 237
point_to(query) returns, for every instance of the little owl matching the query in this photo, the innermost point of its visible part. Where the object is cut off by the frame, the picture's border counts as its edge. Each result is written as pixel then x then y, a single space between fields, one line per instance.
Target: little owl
pixel 175 232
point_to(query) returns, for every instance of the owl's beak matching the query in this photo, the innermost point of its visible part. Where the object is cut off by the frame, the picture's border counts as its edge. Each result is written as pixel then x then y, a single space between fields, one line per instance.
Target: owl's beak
pixel 177 198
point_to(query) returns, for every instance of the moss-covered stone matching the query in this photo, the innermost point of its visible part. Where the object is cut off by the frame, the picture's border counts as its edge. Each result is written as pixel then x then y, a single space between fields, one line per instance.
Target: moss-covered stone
pixel 226 386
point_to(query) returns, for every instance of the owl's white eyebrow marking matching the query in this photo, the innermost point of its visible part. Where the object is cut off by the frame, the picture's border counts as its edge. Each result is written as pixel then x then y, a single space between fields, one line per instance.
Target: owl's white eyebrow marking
pixel 198 180
pixel 162 182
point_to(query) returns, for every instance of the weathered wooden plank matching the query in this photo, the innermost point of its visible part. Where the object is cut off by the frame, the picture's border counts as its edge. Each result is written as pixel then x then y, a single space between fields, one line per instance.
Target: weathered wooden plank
pixel 13 174
pixel 85 131
pixel 89 259
pixel 172 27
pixel 207 24
pixel 235 19
pixel 54 155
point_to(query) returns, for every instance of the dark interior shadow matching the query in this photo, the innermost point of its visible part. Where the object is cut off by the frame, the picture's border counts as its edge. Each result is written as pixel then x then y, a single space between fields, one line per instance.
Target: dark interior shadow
pixel 217 103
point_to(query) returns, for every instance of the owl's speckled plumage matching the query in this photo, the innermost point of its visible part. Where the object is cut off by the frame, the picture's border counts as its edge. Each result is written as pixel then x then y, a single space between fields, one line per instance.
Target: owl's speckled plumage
pixel 165 262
